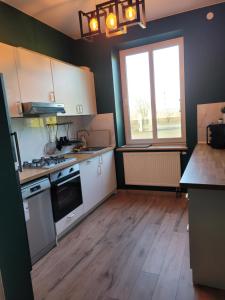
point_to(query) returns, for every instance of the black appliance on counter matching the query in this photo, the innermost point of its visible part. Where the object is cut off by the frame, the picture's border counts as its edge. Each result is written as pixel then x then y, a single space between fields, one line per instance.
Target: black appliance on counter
pixel 215 135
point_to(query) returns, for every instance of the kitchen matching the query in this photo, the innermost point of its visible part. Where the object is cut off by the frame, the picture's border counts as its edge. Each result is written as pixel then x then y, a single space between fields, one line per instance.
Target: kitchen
pixel 101 211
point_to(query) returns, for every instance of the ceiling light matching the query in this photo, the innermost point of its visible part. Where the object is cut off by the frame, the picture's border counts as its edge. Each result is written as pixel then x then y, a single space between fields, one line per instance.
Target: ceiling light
pixel 111 21
pixel 112 17
pixel 93 24
pixel 130 13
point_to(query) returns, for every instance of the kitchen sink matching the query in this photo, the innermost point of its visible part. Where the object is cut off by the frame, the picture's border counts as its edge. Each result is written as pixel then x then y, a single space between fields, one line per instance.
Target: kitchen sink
pixel 90 150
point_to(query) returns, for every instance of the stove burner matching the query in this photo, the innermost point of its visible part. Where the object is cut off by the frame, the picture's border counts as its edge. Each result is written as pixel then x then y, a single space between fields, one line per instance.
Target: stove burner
pixel 46 162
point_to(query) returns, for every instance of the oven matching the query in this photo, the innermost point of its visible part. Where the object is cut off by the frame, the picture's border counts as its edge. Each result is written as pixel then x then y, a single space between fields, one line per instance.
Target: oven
pixel 66 191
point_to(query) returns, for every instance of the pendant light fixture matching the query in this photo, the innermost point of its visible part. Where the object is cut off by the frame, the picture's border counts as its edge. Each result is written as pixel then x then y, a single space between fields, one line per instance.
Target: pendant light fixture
pixel 130 13
pixel 112 17
pixel 93 24
pixel 111 20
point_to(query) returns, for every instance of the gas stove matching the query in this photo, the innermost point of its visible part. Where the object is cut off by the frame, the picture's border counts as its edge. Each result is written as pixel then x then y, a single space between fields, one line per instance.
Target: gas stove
pixel 47 162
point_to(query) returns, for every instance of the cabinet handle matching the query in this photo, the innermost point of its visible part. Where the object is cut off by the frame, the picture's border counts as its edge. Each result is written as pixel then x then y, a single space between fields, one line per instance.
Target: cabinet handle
pixel 99 170
pixel 81 108
pixel 52 96
pixel 100 160
pixel 78 109
pixel 14 135
pixel 19 108
pixel 71 216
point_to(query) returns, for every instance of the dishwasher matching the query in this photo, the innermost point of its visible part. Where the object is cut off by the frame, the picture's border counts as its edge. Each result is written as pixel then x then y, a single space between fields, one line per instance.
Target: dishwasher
pixel 39 218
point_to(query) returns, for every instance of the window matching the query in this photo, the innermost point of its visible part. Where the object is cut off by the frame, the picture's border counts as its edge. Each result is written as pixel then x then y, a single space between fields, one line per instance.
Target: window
pixel 153 92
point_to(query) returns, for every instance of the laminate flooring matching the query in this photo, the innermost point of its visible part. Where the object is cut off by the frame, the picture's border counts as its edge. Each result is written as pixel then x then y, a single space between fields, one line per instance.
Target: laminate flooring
pixel 132 247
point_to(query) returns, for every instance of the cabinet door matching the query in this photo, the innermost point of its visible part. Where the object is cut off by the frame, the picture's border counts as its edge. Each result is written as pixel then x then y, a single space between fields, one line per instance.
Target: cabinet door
pixel 87 92
pixel 74 88
pixel 66 83
pixel 35 76
pixel 108 174
pixel 8 68
pixel 90 173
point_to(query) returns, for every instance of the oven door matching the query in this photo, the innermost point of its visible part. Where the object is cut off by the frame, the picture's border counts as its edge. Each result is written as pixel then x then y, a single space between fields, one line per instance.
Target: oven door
pixel 66 196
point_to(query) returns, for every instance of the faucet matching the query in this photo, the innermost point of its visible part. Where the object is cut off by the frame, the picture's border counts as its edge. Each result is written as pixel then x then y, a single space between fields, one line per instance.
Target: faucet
pixel 82 130
pixel 83 137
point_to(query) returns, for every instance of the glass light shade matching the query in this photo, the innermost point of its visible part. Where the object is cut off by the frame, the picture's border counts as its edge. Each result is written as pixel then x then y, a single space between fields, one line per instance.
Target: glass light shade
pixel 111 21
pixel 130 13
pixel 93 24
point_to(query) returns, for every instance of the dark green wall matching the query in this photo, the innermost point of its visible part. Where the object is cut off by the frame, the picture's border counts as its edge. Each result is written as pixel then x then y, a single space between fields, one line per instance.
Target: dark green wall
pixel 204 64
pixel 204 46
pixel 19 29
pixel 15 261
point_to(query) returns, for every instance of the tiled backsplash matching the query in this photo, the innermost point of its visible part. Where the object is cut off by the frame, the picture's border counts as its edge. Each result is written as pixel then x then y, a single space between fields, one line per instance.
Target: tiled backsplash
pixel 32 141
pixel 207 114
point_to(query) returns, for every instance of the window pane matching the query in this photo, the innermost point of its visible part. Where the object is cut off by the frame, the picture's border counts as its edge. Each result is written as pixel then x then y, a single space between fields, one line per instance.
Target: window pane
pixel 167 92
pixel 139 99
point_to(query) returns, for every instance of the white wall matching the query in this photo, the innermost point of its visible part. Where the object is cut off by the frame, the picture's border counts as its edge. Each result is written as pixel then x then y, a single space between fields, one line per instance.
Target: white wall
pixel 32 141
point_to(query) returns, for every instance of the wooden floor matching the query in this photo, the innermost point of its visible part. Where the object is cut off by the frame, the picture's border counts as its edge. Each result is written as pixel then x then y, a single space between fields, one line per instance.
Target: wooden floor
pixel 133 247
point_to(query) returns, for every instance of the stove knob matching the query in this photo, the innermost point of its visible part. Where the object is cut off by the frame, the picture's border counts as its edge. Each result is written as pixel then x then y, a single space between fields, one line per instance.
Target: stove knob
pixel 59 175
pixel 71 170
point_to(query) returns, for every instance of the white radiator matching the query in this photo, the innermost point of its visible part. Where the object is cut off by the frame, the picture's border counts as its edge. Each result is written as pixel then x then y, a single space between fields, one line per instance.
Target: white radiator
pixel 152 168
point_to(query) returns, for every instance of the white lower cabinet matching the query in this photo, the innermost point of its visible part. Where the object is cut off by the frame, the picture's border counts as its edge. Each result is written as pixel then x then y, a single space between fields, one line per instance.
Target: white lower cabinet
pixel 98 179
pixel 90 183
pixel 108 173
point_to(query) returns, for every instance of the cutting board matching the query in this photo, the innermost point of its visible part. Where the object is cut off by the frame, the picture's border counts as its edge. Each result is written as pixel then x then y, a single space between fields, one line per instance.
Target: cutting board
pixel 99 138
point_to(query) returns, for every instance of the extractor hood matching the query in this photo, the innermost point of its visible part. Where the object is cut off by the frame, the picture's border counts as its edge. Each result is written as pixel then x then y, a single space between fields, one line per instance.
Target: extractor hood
pixel 35 109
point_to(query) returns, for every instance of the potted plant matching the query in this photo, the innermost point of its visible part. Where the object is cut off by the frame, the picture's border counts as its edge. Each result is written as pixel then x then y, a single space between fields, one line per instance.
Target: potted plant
pixel 223 112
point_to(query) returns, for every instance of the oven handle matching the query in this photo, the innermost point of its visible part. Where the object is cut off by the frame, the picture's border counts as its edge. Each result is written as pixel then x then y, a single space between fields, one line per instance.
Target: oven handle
pixel 71 178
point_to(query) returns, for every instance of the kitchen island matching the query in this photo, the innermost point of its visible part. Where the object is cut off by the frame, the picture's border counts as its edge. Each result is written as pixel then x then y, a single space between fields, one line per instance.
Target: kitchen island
pixel 204 178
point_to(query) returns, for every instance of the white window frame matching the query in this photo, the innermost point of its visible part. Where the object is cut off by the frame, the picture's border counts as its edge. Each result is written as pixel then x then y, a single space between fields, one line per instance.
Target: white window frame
pixel 150 48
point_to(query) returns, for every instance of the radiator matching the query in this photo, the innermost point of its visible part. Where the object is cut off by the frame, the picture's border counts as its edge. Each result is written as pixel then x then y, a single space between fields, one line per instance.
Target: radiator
pixel 152 168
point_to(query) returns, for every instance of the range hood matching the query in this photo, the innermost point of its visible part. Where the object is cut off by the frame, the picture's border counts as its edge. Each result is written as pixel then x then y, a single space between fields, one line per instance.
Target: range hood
pixel 35 109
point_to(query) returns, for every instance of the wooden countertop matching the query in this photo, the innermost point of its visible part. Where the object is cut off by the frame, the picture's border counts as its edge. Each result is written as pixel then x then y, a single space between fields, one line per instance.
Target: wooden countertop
pixel 206 169
pixel 152 148
pixel 32 174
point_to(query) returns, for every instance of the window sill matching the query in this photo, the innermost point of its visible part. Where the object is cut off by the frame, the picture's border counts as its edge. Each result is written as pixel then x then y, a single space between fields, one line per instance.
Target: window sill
pixel 178 147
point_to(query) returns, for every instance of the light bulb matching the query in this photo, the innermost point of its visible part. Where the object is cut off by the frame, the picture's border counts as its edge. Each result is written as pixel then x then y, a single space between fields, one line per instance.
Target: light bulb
pixel 111 21
pixel 93 24
pixel 130 13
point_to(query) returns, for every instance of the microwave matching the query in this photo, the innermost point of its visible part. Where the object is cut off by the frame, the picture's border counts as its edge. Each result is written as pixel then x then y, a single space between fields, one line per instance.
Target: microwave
pixel 215 135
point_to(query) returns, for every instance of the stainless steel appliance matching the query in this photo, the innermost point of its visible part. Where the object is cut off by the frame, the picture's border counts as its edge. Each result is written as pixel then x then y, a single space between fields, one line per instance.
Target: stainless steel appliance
pixel 39 218
pixel 66 191
pixel 34 109
pixel 215 134
pixel 47 162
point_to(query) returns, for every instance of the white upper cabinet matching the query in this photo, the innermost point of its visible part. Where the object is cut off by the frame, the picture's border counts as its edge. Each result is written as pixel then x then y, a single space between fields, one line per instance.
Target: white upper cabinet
pixel 8 68
pixel 65 86
pixel 35 76
pixel 74 87
pixel 86 92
